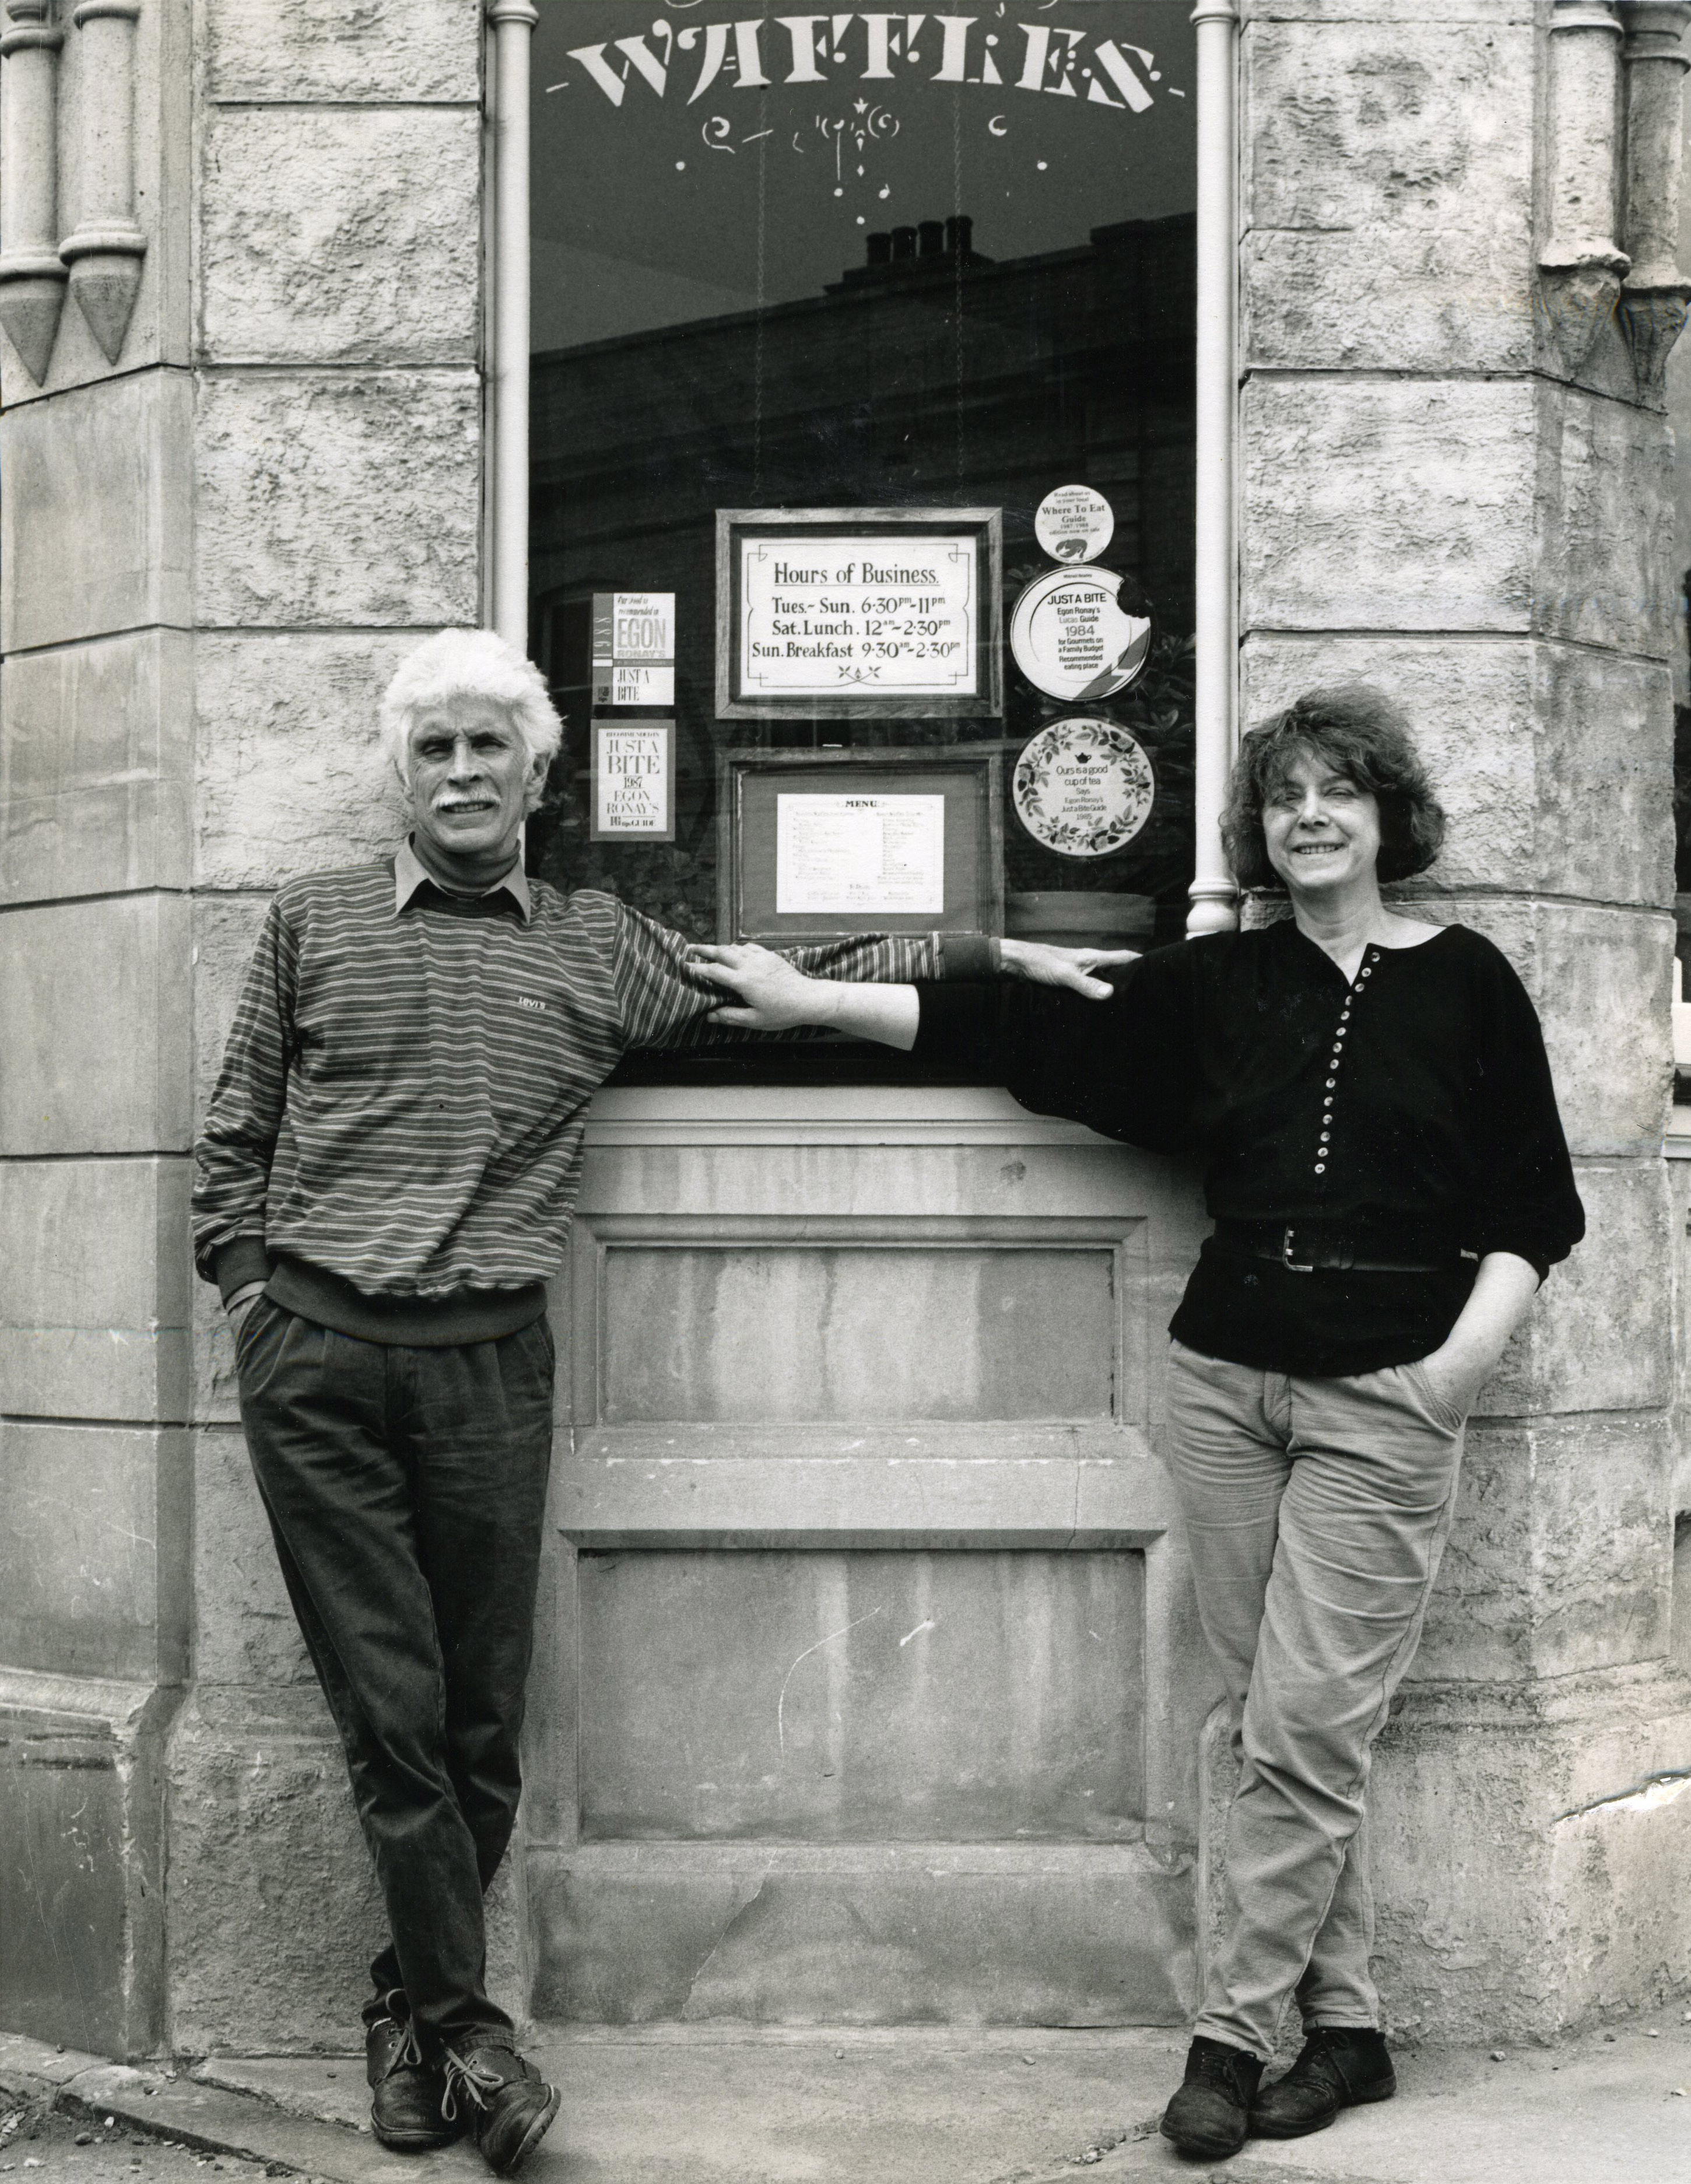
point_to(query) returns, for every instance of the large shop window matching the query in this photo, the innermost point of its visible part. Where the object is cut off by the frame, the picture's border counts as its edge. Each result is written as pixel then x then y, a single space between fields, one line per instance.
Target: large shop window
pixel 881 284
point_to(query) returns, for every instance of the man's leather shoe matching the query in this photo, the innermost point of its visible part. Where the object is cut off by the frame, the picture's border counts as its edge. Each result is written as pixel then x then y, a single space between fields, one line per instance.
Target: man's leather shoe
pixel 1339 2067
pixel 1212 2112
pixel 508 2103
pixel 405 2092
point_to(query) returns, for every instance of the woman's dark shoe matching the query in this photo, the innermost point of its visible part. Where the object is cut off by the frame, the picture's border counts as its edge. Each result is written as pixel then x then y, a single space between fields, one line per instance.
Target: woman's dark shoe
pixel 1212 2112
pixel 507 2101
pixel 404 2092
pixel 1340 2067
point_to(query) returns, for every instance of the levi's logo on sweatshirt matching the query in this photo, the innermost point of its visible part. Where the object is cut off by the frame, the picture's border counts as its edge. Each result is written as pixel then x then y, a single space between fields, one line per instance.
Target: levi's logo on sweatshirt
pixel 524 1002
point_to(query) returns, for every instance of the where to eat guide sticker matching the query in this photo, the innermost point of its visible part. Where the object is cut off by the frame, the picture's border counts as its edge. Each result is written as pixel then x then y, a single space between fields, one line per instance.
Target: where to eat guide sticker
pixel 1072 637
pixel 634 781
pixel 824 615
pixel 634 648
pixel 1074 523
pixel 1083 787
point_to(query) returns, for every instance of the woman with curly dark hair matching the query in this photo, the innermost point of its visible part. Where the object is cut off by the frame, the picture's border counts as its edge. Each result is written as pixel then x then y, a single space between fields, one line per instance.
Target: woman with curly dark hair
pixel 1390 1183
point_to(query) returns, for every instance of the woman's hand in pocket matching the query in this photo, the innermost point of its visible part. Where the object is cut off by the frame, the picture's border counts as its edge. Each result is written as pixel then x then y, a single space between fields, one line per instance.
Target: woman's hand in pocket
pixel 1500 1298
pixel 1455 1376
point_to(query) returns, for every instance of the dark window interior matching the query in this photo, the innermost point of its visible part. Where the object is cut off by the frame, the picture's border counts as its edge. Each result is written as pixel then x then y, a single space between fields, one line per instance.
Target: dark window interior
pixel 849 288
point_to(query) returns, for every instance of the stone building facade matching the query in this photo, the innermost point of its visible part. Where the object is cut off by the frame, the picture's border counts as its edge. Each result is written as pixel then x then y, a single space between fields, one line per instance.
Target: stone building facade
pixel 245 292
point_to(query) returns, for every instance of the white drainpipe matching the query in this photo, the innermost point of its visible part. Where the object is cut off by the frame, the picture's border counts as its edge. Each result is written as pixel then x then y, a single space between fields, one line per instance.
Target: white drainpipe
pixel 513 22
pixel 1214 896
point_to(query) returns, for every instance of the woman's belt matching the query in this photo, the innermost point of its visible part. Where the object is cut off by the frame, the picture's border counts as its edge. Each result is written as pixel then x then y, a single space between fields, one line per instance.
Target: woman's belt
pixel 1302 1247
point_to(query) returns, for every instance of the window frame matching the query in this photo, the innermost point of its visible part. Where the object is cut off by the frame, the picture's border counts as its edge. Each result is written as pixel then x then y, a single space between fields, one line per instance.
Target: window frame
pixel 510 25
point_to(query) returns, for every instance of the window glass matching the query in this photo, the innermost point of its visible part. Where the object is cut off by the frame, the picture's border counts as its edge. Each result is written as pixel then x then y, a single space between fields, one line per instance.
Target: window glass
pixel 862 259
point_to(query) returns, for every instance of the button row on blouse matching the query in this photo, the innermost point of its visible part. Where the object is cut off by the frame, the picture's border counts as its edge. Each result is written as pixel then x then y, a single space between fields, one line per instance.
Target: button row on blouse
pixel 1336 1057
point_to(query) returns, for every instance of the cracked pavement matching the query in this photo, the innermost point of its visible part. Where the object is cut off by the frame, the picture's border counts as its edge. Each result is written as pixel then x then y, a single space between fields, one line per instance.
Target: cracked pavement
pixel 727 2103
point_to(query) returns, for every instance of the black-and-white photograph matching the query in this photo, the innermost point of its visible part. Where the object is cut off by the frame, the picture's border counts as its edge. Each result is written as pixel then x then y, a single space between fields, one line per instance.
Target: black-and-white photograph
pixel 845 1092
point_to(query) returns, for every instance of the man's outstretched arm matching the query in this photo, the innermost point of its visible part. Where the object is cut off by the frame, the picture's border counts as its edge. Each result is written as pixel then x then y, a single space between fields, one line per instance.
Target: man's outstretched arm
pixel 670 995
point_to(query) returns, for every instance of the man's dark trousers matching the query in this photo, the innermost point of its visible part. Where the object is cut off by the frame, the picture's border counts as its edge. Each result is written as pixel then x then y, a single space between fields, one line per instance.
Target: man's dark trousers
pixel 406 1489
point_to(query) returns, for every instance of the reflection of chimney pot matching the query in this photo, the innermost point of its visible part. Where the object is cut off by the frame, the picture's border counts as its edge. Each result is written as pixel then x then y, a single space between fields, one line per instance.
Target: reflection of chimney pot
pixel 903 243
pixel 880 249
pixel 959 230
pixel 932 234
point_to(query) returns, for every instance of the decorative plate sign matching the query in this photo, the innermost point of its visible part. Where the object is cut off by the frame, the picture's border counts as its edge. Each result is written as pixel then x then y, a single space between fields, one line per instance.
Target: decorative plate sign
pixel 1074 523
pixel 1084 788
pixel 1081 633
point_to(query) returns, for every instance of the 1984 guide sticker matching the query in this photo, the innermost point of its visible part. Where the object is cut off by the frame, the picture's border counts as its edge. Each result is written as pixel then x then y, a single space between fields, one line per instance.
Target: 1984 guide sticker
pixel 1081 633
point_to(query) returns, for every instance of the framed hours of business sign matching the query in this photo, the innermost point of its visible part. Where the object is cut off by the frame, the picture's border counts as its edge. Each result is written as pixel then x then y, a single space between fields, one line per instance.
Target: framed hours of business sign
pixel 865 613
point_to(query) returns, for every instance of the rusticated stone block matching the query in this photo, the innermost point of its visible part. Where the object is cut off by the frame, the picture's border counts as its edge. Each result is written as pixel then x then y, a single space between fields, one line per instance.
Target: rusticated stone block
pixel 1390 505
pixel 273 1907
pixel 354 498
pixel 1602 800
pixel 1606 571
pixel 94 1554
pixel 291 777
pixel 1678 1178
pixel 96 524
pixel 324 50
pixel 1492 14
pixel 1600 980
pixel 244 1630
pixel 1554 761
pixel 95 781
pixel 1598 1336
pixel 1522 1878
pixel 82 1861
pixel 341 236
pixel 274 1912
pixel 62 1882
pixel 1471 710
pixel 94 997
pixel 1471 505
pixel 1603 984
pixel 1389 191
pixel 93 1288
pixel 1618 1881
pixel 225 930
pixel 1559 1557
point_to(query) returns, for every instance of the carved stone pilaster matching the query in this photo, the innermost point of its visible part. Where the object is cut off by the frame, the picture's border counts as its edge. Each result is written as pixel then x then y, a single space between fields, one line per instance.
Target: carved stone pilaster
pixel 31 276
pixel 105 252
pixel 1581 266
pixel 1655 294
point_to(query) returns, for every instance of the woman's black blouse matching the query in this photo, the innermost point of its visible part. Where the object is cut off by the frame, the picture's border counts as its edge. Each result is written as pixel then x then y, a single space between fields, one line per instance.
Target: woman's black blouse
pixel 1412 1109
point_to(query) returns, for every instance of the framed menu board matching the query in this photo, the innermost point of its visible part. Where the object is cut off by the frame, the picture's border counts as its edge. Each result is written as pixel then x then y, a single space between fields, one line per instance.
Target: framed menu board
pixel 819 845
pixel 867 613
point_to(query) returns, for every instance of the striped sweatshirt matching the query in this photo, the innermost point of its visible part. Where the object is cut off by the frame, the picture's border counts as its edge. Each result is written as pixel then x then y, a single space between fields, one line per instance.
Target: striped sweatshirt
pixel 401 1107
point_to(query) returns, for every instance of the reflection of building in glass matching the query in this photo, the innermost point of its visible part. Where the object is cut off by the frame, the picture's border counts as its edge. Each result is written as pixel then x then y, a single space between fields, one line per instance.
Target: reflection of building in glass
pixel 930 374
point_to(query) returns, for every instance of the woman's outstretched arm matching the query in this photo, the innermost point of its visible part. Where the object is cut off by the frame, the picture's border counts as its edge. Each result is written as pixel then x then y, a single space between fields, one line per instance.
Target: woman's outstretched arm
pixel 769 993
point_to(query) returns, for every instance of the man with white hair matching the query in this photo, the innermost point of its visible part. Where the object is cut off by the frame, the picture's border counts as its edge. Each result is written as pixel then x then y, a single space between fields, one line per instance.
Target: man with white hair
pixel 385 1183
